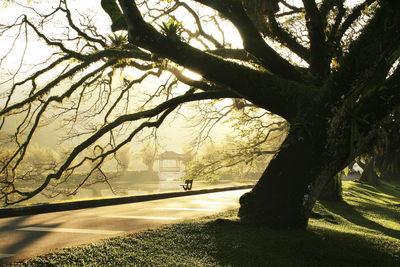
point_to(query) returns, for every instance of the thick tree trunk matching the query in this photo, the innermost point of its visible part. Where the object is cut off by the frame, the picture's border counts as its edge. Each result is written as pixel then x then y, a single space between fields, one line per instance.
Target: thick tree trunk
pixel 279 198
pixel 309 157
pixel 332 191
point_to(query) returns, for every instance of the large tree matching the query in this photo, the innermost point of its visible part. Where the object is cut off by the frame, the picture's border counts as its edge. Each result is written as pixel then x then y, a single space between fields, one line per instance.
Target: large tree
pixel 327 67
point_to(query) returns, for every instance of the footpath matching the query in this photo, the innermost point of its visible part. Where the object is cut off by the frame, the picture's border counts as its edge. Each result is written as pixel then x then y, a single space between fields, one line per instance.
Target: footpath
pixel 39 229
pixel 83 204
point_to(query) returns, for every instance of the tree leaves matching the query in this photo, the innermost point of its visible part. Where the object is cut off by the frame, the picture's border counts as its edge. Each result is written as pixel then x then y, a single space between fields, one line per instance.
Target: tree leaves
pixel 172 28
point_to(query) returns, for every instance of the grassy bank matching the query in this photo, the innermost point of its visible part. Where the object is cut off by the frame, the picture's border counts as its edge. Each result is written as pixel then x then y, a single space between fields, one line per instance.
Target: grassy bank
pixel 364 230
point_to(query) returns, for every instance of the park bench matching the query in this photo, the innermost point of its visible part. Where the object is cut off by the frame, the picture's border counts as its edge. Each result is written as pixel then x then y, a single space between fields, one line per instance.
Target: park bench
pixel 188 184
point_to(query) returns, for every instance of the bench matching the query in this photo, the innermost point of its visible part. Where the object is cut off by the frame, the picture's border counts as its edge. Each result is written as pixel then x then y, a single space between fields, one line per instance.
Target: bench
pixel 188 184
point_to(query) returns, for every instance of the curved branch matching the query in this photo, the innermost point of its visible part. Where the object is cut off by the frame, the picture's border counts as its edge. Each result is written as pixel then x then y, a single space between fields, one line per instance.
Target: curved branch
pixel 113 11
pixel 286 38
pixel 53 43
pixel 47 88
pixel 200 31
pixel 32 78
pixel 22 148
pixel 81 33
pixel 164 109
pixel 199 26
pixel 128 52
pixel 252 39
pixel 261 88
pixel 239 54
pixel 293 8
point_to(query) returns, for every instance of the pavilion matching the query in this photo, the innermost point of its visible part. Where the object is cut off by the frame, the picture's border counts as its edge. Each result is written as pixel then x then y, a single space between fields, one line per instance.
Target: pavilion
pixel 169 161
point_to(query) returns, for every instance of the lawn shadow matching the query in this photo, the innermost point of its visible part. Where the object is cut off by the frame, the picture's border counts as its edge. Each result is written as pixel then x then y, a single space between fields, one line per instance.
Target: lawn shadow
pixel 213 241
pixel 351 214
pixel 243 245
pixel 384 192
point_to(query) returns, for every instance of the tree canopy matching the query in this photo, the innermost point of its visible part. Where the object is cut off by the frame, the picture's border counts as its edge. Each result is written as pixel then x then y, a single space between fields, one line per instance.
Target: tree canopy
pixel 328 67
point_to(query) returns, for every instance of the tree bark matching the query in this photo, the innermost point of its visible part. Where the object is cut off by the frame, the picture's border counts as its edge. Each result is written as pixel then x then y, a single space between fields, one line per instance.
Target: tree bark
pixel 311 155
pixel 333 189
pixel 278 199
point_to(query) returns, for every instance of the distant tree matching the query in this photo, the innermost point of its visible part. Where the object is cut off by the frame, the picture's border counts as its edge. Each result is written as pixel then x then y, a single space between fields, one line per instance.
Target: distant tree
pixel 369 175
pixel 188 154
pixel 124 157
pixel 39 162
pixel 382 161
pixel 148 155
pixel 387 151
pixel 328 68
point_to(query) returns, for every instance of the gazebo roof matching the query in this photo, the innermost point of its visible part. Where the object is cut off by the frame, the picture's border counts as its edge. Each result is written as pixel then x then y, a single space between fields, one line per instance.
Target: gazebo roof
pixel 169 155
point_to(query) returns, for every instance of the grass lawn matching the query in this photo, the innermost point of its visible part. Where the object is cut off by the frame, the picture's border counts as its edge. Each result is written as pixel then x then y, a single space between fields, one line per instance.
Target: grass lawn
pixel 364 230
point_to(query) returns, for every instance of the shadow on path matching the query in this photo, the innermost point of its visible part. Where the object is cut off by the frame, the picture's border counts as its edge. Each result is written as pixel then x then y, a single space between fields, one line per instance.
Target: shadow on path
pixel 16 241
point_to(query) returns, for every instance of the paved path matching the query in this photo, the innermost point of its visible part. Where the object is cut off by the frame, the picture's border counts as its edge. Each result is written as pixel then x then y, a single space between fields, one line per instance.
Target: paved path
pixel 26 236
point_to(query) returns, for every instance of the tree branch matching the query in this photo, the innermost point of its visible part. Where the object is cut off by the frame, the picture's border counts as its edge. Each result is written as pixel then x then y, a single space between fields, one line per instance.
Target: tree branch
pixel 287 39
pixel 371 56
pixel 319 52
pixel 353 16
pixel 260 88
pixel 252 40
pixel 378 102
pixel 164 109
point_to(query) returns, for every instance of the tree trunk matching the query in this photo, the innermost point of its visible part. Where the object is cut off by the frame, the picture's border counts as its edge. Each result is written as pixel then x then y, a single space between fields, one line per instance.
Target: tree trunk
pixel 388 162
pixel 278 199
pixel 369 175
pixel 309 157
pixel 392 175
pixel 332 191
pixel 389 167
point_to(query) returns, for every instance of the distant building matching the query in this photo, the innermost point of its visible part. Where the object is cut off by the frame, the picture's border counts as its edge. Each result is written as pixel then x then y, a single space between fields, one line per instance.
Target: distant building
pixel 170 161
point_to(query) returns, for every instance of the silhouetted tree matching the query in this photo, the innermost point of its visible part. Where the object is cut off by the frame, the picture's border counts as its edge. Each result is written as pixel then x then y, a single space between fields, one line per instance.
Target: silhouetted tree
pixel 327 68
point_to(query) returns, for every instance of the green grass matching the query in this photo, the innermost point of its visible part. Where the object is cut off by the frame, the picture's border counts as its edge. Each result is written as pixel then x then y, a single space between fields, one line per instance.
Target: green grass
pixel 364 230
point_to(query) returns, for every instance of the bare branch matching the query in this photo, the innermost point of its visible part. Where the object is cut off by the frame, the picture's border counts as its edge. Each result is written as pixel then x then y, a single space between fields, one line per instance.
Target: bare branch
pixel 164 109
